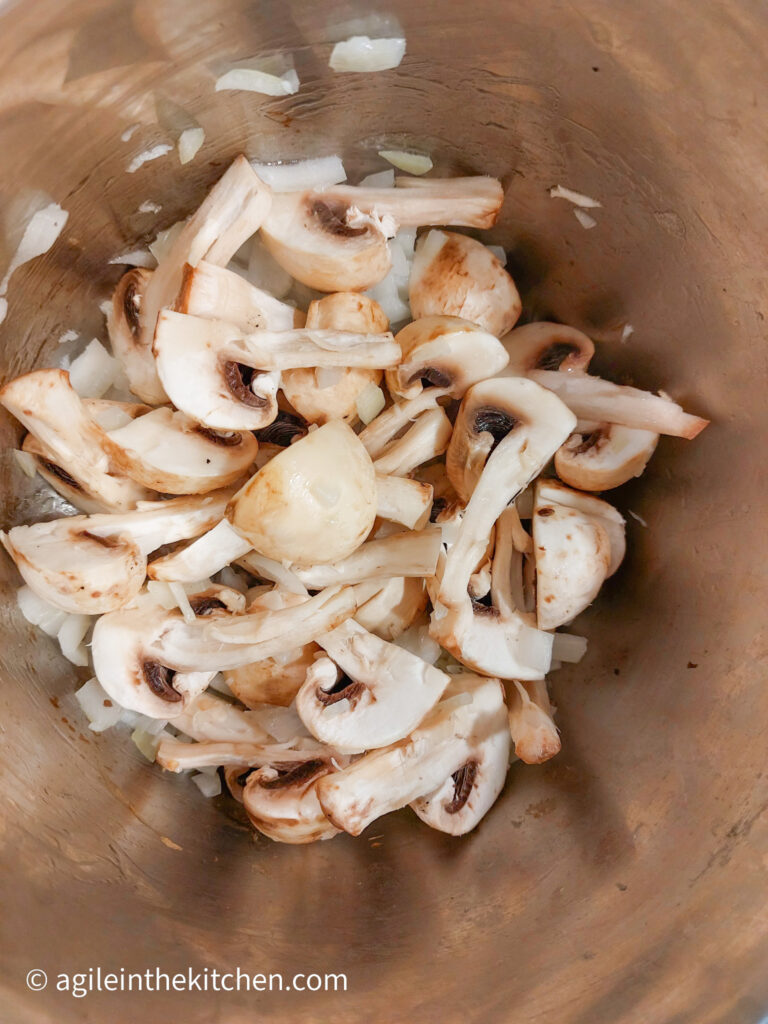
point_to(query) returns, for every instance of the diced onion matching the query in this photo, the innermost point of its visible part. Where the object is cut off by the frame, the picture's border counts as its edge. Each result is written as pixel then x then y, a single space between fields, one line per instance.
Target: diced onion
pixel 282 724
pixel 568 647
pixel 577 198
pixel 190 141
pixel 253 80
pixel 584 219
pixel 37 226
pixel 417 640
pixel 381 179
pixel 411 163
pixel 68 336
pixel 178 591
pixel 361 53
pixel 27 463
pixel 153 153
pixel 229 577
pixel 162 594
pixel 626 332
pixel 71 635
pixel 265 272
pixel 208 784
pixel 135 258
pixel 40 612
pixel 93 372
pixel 146 743
pixel 370 402
pixel 98 707
pixel 149 207
pixel 299 175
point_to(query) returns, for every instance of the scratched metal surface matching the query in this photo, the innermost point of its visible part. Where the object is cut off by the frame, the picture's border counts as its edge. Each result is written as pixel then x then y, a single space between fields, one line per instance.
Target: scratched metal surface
pixel 624 882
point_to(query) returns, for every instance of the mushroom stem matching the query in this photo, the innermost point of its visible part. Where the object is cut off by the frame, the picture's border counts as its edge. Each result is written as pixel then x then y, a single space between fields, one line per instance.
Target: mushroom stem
pixel 429 437
pixel 210 718
pixel 531 725
pixel 473 202
pixel 411 553
pixel 402 500
pixel 592 398
pixel 202 558
pixel 298 623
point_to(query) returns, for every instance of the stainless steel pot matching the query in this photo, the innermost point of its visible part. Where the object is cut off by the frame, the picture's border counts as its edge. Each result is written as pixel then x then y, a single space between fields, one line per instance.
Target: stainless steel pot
pixel 626 880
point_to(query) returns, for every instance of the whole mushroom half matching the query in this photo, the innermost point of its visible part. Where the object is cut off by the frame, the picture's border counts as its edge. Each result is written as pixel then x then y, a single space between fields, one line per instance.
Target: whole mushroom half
pixel 456 275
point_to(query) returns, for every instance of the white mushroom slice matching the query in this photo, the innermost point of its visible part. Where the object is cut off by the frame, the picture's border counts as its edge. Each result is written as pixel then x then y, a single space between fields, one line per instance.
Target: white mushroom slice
pixel 387 691
pixel 410 553
pixel 402 500
pixel 124 325
pixel 309 390
pixel 385 780
pixel 209 717
pixel 202 558
pixel 592 398
pixel 573 555
pixel 388 424
pixel 272 680
pixel 268 569
pixel 48 406
pixel 604 457
pixel 281 801
pixel 427 438
pixel 60 480
pixel 112 415
pixel 220 294
pixel 314 503
pixel 508 646
pixel 458 276
pixel 394 609
pixel 293 617
pixel 95 564
pixel 447 353
pixel 468 793
pixel 308 235
pixel 230 214
pixel 547 346
pixel 473 202
pixel 612 521
pixel 177 756
pixel 533 730
pixel 173 454
pixel 512 542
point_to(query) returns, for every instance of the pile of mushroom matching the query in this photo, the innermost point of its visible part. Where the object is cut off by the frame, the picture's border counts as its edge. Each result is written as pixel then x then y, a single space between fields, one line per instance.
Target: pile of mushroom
pixel 315 558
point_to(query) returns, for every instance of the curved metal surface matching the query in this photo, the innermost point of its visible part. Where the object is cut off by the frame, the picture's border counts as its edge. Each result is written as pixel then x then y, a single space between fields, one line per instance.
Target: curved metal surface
pixel 622 883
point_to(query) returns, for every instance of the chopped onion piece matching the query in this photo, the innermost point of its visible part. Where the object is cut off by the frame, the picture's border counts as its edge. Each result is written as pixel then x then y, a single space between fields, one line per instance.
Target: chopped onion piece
pixel 370 402
pixel 229 577
pixel 626 332
pixel 71 635
pixel 39 612
pixel 300 175
pixel 190 140
pixel 149 207
pixel 129 132
pixel 146 743
pixel 253 80
pixel 27 463
pixel 577 198
pixel 568 647
pixel 39 228
pixel 411 163
pixel 162 594
pixel 98 707
pixel 282 724
pixel 209 784
pixel 68 336
pixel 136 258
pixel 361 53
pixel 265 272
pixel 380 179
pixel 94 371
pixel 180 594
pixel 584 219
pixel 153 153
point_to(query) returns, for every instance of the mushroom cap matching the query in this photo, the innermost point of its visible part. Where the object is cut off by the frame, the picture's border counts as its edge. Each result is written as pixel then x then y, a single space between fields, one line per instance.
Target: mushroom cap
pixel 75 570
pixel 573 555
pixel 428 437
pixel 308 234
pixel 612 521
pixel 313 503
pixel 456 275
pixel 272 680
pixel 533 730
pixel 281 801
pixel 221 294
pixel 547 346
pixel 605 457
pixel 473 202
pixel 173 454
pixel 447 352
pixel 394 608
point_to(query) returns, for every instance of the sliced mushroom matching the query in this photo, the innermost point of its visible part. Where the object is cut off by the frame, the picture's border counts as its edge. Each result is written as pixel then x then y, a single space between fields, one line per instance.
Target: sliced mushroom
pixel 178 756
pixel 598 400
pixel 473 202
pixel 60 480
pixel 173 454
pixel 77 451
pixel 455 275
pixel 552 491
pixel 547 346
pixel 533 730
pixel 314 393
pixel 390 423
pixel 281 801
pixel 308 234
pixel 203 558
pixel 220 294
pixel 604 456
pixel 314 503
pixel 209 717
pixel 386 691
pixel 446 353
pixel 230 214
pixel 395 608
pixel 428 437
pixel 274 680
pixel 402 500
pixel 508 646
pixel 95 564
pixel 445 742
pixel 409 553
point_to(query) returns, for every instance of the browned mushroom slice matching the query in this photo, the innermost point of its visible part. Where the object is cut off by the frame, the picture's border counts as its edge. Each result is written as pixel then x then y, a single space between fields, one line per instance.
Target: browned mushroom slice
pixel 281 801
pixel 220 294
